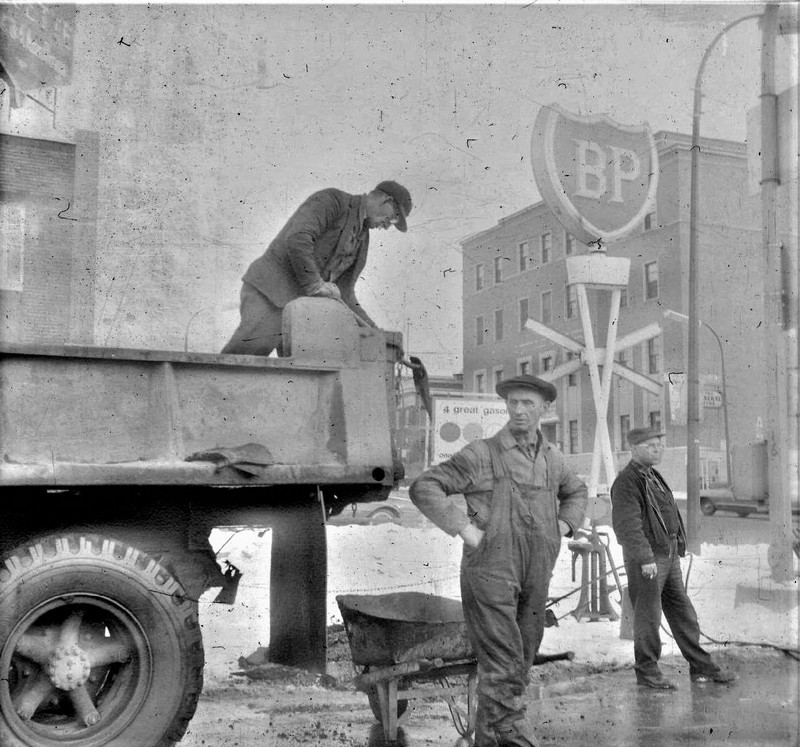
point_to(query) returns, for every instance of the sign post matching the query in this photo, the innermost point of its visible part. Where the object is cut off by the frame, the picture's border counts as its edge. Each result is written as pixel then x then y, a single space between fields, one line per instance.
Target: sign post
pixel 589 355
pixel 600 180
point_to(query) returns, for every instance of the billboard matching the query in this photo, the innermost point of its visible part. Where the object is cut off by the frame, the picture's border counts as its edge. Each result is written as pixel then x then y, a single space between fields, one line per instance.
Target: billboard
pixel 457 421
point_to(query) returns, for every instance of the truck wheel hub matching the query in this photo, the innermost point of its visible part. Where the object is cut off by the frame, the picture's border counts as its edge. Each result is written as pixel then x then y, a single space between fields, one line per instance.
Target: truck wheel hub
pixel 69 667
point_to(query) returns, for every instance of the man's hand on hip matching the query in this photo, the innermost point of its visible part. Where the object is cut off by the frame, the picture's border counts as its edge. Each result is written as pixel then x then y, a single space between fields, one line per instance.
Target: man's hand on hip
pixel 471 535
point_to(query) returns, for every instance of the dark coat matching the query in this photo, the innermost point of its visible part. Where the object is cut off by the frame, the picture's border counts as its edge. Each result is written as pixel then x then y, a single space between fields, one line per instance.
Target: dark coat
pixel 637 520
pixel 295 260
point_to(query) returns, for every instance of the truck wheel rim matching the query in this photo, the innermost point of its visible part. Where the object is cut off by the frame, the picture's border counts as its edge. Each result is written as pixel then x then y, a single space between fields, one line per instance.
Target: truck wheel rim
pixel 78 666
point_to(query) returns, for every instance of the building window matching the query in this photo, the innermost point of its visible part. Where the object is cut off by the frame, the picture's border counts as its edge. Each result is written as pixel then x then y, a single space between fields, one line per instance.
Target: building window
pixel 480 277
pixel 523 313
pixel 573 437
pixel 546 363
pixel 498 270
pixel 12 250
pixel 569 244
pixel 547 247
pixel 572 302
pixel 572 379
pixel 524 256
pixel 498 375
pixel 624 427
pixel 480 330
pixel 547 307
pixel 524 367
pixel 623 298
pixel 655 419
pixel 653 356
pixel 650 221
pixel 651 280
pixel 498 324
pixel 622 357
pixel 480 382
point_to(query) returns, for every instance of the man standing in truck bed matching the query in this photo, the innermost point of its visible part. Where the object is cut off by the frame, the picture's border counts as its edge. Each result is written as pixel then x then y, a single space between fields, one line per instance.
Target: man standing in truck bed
pixel 521 498
pixel 321 252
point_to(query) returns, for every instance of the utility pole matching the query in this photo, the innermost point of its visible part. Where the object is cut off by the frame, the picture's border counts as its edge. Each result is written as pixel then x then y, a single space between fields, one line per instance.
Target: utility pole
pixel 780 511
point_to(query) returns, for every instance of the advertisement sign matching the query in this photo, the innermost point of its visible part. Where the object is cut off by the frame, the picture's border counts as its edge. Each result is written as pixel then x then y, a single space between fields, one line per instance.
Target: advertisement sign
pixel 677 386
pixel 458 421
pixel 710 395
pixel 597 176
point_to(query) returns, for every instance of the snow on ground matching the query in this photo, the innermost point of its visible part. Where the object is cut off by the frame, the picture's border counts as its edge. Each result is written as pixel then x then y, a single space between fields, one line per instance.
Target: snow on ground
pixel 388 558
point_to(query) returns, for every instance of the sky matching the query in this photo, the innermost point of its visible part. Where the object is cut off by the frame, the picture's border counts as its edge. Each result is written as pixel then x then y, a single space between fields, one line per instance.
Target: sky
pixel 217 121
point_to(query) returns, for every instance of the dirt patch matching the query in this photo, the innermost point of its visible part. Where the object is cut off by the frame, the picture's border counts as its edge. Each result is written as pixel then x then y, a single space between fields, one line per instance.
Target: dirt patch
pixel 269 705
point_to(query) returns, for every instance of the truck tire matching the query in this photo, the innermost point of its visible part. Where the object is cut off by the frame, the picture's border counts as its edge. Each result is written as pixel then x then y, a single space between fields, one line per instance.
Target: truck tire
pixel 99 645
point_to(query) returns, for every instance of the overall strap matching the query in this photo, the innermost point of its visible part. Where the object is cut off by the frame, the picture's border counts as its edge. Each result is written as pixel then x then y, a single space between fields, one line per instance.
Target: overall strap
pixel 498 466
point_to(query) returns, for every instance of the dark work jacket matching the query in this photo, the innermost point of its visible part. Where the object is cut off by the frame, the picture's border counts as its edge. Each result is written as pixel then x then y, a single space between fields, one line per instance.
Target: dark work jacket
pixel 637 520
pixel 296 257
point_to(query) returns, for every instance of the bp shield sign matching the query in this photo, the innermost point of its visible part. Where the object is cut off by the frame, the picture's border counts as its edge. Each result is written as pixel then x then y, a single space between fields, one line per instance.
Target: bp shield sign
pixel 597 176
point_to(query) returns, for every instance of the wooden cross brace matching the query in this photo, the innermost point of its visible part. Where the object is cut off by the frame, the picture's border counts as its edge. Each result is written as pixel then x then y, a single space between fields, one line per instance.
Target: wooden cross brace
pixel 593 357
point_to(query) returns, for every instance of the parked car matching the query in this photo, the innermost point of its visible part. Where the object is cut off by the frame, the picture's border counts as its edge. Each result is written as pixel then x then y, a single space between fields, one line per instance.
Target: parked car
pixel 396 509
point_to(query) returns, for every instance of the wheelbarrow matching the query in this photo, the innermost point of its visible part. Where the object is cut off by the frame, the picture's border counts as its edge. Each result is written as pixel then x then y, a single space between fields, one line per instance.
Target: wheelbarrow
pixel 408 639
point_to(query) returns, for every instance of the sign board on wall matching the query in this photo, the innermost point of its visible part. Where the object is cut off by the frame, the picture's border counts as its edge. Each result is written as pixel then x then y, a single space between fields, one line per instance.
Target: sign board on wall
pixel 599 177
pixel 677 383
pixel 458 421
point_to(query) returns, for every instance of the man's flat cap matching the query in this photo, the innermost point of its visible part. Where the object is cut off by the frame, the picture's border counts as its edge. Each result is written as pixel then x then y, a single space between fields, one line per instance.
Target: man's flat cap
pixel 526 381
pixel 401 197
pixel 640 435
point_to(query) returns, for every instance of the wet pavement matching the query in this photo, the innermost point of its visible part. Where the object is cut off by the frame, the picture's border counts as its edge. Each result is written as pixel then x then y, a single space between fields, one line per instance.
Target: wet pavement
pixel 609 709
pixel 761 708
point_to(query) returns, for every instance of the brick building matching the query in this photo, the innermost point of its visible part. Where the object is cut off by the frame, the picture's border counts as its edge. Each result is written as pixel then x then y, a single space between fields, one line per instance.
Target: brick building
pixel 516 270
pixel 48 214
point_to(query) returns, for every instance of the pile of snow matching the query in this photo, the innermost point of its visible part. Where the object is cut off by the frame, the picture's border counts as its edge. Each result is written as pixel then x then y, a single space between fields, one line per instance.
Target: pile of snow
pixel 388 558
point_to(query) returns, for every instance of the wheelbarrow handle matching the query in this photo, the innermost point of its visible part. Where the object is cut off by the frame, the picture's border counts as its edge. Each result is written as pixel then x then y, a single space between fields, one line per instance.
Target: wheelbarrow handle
pixel 544 658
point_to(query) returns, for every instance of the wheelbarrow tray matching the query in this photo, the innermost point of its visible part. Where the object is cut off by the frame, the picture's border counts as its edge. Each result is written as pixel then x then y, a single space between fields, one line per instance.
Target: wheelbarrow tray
pixel 402 627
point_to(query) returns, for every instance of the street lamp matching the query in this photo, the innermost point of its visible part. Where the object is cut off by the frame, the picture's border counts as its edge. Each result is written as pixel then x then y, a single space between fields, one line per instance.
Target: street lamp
pixel 693 394
pixel 678 317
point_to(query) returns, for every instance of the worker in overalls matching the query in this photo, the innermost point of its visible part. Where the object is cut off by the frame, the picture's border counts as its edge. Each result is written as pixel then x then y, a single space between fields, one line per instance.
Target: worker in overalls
pixel 521 498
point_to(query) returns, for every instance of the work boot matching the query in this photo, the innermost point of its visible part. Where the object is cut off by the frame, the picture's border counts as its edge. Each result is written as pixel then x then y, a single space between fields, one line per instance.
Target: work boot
pixel 518 735
pixel 484 734
pixel 721 677
pixel 657 683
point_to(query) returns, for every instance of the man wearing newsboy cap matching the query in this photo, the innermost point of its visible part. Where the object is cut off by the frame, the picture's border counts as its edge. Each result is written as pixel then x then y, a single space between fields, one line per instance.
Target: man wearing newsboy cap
pixel 321 251
pixel 650 529
pixel 521 498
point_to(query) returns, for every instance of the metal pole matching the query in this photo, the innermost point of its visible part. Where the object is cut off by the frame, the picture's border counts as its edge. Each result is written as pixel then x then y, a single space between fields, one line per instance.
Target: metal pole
pixel 728 467
pixel 693 393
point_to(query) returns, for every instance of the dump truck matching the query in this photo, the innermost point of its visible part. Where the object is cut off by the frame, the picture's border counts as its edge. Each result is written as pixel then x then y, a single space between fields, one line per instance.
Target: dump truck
pixel 116 466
